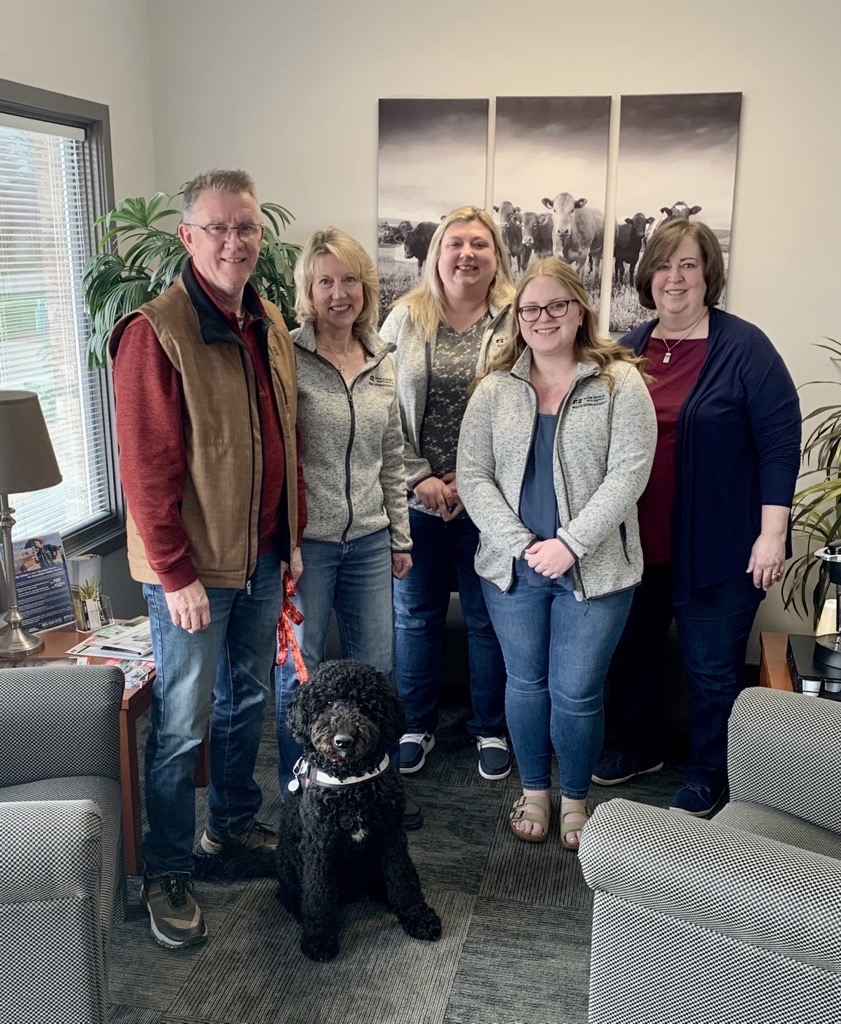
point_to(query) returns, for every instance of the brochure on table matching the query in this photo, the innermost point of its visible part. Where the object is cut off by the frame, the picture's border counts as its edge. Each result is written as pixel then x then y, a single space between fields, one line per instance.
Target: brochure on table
pixel 41 581
pixel 132 639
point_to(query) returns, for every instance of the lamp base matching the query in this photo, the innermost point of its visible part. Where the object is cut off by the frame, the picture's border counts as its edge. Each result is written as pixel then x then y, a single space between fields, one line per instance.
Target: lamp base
pixel 828 650
pixel 16 642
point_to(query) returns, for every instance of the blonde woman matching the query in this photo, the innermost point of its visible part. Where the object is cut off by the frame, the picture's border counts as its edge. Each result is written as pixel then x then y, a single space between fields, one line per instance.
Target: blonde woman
pixel 357 535
pixel 555 448
pixel 445 331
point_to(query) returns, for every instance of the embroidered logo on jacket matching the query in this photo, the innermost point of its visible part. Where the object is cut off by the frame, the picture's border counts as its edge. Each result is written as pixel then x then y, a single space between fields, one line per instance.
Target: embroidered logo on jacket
pixel 586 400
pixel 381 381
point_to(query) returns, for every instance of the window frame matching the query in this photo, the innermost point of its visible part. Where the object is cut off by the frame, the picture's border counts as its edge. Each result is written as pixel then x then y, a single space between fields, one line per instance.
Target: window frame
pixel 107 532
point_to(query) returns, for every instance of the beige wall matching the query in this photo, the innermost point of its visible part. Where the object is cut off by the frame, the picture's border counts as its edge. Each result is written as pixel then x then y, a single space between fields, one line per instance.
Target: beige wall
pixel 288 89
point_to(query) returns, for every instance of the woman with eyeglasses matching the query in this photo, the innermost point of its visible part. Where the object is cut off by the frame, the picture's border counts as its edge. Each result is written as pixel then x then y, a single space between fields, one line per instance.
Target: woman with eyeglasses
pixel 445 331
pixel 713 518
pixel 555 449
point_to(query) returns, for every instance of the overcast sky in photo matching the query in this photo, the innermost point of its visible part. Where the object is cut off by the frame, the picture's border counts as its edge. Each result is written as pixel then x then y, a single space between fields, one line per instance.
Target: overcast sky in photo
pixel 432 157
pixel 678 148
pixel 546 145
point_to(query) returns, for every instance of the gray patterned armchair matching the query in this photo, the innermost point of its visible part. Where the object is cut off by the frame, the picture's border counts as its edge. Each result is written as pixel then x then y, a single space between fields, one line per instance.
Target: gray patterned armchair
pixel 737 919
pixel 60 841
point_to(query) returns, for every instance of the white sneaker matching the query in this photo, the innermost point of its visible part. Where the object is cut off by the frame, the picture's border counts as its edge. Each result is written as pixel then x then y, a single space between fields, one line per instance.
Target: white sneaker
pixel 494 757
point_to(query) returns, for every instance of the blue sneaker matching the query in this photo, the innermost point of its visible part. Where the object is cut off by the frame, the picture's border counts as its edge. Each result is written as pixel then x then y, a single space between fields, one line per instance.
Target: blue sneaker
pixel 696 798
pixel 494 757
pixel 414 746
pixel 615 767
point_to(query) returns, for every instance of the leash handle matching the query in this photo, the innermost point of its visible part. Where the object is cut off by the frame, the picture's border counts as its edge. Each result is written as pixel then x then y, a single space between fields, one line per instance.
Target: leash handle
pixel 287 642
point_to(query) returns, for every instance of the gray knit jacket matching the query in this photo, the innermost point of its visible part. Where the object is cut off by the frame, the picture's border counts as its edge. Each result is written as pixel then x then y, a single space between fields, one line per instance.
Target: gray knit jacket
pixel 604 445
pixel 413 357
pixel 351 445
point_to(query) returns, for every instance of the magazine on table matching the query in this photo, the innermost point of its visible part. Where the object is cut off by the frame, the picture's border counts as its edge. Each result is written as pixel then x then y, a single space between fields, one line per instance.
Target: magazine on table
pixel 136 673
pixel 132 639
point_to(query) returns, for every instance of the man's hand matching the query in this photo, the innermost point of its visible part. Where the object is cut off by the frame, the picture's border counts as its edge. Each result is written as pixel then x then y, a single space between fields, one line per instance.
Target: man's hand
pixel 189 607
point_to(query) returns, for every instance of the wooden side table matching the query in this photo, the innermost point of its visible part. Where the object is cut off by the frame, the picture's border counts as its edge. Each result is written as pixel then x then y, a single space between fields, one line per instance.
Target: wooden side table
pixel 773 664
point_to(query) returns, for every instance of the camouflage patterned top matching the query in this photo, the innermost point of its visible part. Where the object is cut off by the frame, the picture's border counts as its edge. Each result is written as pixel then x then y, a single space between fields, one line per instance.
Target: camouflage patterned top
pixel 453 369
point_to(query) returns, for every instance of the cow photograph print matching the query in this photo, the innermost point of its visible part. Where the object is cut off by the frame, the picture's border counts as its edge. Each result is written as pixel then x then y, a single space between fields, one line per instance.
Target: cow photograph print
pixel 432 158
pixel 677 158
pixel 550 181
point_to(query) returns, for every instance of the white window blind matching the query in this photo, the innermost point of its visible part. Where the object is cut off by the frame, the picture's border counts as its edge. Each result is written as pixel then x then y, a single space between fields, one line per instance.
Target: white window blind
pixel 46 218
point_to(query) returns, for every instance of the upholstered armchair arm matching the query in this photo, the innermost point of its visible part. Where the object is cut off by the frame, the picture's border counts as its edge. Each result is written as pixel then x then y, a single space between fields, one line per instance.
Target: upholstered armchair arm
pixel 783 752
pixel 59 721
pixel 52 965
pixel 747 888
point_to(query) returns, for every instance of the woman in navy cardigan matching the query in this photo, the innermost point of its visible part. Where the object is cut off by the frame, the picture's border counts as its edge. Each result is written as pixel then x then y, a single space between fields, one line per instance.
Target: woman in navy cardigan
pixel 714 518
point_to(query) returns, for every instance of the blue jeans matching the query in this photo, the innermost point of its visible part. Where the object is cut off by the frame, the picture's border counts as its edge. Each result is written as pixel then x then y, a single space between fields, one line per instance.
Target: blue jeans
pixel 557 651
pixel 221 673
pixel 443 555
pixel 354 579
pixel 714 625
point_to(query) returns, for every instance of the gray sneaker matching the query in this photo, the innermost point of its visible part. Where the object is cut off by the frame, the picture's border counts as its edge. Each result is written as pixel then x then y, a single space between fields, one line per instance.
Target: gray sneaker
pixel 258 839
pixel 175 916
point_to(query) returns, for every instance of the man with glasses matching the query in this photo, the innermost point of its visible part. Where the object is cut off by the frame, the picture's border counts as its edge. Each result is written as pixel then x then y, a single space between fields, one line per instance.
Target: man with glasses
pixel 204 377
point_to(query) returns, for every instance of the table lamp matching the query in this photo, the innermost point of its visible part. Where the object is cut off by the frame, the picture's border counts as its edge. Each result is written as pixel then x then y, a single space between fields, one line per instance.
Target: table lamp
pixel 27 463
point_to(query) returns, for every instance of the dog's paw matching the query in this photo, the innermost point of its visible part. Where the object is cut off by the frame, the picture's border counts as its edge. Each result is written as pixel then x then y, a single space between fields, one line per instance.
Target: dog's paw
pixel 320 948
pixel 421 922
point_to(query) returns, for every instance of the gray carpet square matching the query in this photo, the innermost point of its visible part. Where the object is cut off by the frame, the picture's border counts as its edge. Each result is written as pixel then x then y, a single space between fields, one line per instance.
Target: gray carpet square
pixel 522 963
pixel 259 975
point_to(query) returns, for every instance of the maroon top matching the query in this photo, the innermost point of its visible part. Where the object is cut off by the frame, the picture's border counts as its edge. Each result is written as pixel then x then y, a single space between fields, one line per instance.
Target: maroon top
pixel 669 389
pixel 151 410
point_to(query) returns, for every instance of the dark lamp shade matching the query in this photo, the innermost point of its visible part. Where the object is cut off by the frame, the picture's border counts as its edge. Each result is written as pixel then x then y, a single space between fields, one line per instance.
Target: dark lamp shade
pixel 27 459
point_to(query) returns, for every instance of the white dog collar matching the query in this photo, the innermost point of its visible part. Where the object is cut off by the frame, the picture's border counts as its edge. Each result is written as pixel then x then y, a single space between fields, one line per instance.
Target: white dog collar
pixel 307 775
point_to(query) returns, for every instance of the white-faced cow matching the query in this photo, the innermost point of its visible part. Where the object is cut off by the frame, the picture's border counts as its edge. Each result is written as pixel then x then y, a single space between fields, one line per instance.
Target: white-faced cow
pixel 577 231
pixel 537 233
pixel 630 238
pixel 416 240
pixel 679 211
pixel 510 221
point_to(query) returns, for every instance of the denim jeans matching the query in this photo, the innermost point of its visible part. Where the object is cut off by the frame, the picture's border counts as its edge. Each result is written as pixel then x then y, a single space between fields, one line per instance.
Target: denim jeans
pixel 354 579
pixel 714 626
pixel 557 651
pixel 443 555
pixel 221 673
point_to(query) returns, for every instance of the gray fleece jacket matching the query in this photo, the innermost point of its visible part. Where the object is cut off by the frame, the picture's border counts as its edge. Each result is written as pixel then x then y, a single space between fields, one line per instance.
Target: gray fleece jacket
pixel 413 357
pixel 351 445
pixel 604 445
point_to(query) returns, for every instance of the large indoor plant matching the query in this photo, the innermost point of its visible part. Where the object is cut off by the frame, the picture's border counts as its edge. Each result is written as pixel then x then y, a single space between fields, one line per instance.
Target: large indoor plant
pixel 140 255
pixel 816 510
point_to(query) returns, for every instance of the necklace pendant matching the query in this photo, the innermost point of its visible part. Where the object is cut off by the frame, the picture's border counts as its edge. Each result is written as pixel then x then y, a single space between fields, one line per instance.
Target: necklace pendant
pixel 667 358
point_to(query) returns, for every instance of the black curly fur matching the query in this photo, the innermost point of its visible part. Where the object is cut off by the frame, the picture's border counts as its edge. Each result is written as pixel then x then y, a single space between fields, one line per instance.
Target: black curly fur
pixel 345 842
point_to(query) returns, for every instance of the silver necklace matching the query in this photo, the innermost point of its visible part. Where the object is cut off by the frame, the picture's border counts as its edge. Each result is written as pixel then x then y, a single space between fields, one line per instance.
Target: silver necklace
pixel 667 358
pixel 340 359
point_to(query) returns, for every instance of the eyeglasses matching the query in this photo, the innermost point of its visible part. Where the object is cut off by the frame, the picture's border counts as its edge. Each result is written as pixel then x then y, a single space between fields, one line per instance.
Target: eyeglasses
pixel 247 232
pixel 556 309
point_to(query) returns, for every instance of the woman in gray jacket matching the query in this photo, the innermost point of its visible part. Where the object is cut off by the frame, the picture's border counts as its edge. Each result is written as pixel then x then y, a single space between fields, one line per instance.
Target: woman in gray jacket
pixel 445 331
pixel 555 448
pixel 357 535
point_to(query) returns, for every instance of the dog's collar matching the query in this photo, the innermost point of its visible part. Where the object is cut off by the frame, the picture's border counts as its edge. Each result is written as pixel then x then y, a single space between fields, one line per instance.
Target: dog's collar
pixel 306 775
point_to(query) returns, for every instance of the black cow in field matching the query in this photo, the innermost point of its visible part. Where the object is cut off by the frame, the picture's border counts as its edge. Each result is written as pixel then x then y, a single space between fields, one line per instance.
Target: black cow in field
pixel 511 228
pixel 630 238
pixel 537 233
pixel 416 240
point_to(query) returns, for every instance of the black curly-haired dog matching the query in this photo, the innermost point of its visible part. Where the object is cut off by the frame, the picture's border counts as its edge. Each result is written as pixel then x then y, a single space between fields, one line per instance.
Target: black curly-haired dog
pixel 341 832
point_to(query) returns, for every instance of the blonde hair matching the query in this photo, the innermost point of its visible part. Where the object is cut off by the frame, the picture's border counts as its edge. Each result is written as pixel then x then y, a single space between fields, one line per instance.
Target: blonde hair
pixel 335 242
pixel 427 303
pixel 588 347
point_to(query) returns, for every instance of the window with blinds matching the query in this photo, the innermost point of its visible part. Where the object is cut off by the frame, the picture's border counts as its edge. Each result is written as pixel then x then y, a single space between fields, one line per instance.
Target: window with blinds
pixel 51 191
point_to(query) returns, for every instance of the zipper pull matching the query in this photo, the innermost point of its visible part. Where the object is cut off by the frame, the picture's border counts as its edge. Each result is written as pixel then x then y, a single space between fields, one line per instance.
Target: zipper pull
pixel 248 587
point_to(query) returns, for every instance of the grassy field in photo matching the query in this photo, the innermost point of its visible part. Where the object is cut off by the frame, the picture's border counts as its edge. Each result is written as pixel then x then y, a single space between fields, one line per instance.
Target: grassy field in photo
pixel 396 277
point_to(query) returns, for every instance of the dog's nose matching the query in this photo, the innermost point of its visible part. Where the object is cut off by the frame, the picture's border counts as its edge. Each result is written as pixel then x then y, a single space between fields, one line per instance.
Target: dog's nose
pixel 342 741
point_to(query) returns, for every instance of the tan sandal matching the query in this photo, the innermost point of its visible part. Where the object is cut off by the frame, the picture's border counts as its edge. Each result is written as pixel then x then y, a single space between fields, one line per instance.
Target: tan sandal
pixel 519 813
pixel 578 808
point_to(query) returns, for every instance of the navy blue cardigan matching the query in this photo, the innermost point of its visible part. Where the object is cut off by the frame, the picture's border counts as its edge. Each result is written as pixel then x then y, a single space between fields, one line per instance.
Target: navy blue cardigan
pixel 738 448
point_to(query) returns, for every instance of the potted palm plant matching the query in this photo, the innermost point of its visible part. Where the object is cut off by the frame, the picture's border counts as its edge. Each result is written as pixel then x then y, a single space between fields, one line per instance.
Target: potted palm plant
pixel 816 510
pixel 140 255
